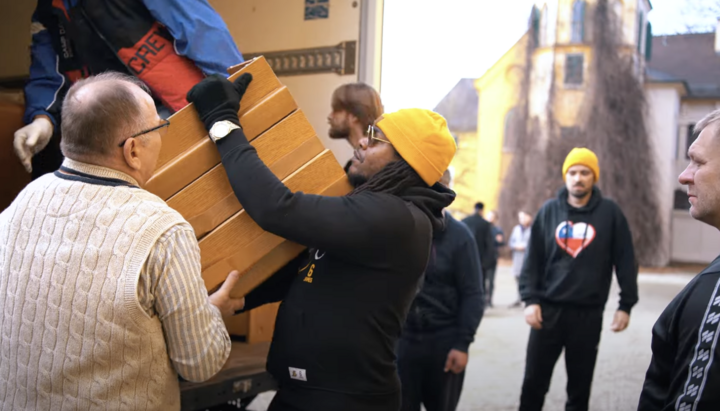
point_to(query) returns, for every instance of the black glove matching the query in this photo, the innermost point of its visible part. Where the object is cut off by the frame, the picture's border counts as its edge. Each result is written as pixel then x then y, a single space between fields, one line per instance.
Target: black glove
pixel 216 98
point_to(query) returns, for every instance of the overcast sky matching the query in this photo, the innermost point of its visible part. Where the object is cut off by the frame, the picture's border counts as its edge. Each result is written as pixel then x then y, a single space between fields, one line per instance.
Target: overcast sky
pixel 429 45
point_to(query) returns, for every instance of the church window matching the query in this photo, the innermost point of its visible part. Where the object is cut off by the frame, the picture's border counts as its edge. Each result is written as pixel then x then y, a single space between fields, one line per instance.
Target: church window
pixel 574 65
pixel 577 35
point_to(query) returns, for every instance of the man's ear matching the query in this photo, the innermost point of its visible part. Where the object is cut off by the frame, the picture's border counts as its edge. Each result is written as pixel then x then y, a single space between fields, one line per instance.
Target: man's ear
pixel 130 152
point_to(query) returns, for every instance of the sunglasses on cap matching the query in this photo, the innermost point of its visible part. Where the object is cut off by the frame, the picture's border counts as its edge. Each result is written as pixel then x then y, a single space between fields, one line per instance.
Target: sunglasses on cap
pixel 371 135
pixel 162 127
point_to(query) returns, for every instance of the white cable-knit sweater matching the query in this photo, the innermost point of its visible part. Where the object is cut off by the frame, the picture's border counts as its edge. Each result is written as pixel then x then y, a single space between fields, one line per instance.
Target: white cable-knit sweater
pixel 72 333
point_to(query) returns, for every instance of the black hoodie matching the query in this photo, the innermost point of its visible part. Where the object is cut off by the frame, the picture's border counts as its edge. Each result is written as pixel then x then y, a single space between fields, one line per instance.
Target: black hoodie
pixel 572 253
pixel 345 301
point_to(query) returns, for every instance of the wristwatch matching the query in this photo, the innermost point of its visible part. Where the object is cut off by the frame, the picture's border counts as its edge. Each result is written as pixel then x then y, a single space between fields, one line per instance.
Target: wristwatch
pixel 221 129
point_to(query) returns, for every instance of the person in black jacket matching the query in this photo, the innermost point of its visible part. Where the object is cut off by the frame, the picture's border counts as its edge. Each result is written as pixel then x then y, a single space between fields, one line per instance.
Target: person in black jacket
pixel 684 374
pixel 443 319
pixel 498 242
pixel 482 230
pixel 575 243
pixel 343 302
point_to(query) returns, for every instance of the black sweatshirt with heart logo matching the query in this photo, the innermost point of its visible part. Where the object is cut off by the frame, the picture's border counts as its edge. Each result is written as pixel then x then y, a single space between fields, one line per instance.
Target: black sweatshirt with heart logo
pixel 573 251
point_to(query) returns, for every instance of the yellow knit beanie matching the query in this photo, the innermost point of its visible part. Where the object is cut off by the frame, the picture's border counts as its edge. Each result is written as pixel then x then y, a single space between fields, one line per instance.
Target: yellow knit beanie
pixel 584 157
pixel 422 138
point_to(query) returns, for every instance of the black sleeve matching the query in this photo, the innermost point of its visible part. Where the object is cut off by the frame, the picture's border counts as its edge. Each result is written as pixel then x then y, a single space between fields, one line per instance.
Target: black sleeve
pixel 356 225
pixel 469 278
pixel 626 267
pixel 533 269
pixel 275 288
pixel 658 378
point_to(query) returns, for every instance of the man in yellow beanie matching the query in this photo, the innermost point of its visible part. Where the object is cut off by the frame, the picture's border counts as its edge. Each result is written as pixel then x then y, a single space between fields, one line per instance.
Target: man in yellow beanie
pixel 345 301
pixel 576 241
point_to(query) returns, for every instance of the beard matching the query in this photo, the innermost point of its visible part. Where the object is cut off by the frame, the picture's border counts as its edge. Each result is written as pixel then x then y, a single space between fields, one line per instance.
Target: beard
pixel 356 180
pixel 341 131
pixel 579 192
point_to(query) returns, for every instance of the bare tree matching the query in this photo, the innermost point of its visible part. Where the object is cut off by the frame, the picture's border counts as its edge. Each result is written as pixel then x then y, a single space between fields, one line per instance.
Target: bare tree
pixel 700 16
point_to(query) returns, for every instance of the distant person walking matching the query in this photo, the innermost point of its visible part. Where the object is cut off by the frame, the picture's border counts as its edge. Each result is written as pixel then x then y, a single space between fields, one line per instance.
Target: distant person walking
pixel 483 233
pixel 684 373
pixel 498 242
pixel 577 240
pixel 519 240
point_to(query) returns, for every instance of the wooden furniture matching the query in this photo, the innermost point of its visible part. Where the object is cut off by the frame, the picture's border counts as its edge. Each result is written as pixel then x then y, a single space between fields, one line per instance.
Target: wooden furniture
pixel 192 181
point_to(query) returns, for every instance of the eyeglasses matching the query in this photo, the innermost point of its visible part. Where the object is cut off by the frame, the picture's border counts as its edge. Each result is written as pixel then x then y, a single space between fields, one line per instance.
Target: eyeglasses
pixel 162 127
pixel 371 135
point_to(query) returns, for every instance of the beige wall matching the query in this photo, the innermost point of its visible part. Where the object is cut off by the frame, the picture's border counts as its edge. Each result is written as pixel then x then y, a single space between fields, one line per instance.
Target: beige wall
pixel 15 38
pixel 256 25
pixel 662 117
pixel 276 25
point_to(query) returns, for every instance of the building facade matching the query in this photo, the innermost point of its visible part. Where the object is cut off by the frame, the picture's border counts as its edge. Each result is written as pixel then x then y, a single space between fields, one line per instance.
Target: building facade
pixel 548 73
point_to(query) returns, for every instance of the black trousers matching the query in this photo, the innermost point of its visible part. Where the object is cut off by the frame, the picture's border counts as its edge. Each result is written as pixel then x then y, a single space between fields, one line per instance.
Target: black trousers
pixel 577 330
pixel 292 398
pixel 489 276
pixel 421 362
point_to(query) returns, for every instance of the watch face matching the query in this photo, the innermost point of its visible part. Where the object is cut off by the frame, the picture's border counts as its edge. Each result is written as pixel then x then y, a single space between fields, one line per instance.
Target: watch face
pixel 222 129
pixel 219 130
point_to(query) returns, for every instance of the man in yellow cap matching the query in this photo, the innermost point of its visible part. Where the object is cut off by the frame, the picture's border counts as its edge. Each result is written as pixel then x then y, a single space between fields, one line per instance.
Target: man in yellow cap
pixel 344 302
pixel 576 241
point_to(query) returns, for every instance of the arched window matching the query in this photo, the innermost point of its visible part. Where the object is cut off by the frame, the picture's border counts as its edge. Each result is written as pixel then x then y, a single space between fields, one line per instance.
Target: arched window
pixel 534 24
pixel 543 40
pixel 577 35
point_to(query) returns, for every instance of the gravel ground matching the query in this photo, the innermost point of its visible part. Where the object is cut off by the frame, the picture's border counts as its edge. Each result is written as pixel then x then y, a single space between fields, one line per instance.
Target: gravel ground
pixel 497 358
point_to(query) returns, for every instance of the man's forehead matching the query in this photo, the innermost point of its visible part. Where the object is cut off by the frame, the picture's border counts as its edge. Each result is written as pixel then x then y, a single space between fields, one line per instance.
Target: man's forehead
pixel 578 168
pixel 707 144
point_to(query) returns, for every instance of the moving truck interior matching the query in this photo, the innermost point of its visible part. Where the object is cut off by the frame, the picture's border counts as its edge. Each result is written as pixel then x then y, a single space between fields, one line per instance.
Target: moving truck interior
pixel 313 46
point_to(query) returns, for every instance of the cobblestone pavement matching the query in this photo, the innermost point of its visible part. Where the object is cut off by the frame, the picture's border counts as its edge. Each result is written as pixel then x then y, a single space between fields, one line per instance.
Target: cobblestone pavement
pixel 497 358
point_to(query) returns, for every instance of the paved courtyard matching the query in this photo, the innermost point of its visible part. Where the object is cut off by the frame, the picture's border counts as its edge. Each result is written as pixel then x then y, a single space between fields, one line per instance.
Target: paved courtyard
pixel 497 358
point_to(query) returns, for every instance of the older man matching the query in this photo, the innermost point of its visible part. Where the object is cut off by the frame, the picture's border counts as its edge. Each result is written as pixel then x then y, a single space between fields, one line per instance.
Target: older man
pixel 684 373
pixel 102 303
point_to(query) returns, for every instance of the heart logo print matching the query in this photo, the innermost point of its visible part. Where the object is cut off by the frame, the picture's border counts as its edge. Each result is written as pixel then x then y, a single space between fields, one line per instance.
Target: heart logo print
pixel 570 236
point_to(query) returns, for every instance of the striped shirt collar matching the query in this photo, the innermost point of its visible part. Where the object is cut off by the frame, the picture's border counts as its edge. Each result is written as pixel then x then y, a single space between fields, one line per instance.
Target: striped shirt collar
pixel 98 171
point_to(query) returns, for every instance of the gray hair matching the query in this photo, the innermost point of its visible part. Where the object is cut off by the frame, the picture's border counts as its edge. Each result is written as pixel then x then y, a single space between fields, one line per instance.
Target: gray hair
pixel 97 124
pixel 706 122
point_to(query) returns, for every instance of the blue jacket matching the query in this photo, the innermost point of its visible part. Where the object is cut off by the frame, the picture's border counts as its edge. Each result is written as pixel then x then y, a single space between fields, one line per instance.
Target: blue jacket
pixel 198 33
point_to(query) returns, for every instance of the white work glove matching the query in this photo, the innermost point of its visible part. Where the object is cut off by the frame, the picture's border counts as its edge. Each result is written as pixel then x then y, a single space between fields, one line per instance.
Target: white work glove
pixel 32 138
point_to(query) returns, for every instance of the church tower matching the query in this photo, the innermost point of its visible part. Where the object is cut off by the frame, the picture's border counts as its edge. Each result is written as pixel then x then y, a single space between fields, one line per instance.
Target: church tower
pixel 563 34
